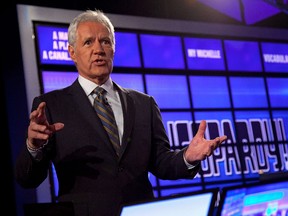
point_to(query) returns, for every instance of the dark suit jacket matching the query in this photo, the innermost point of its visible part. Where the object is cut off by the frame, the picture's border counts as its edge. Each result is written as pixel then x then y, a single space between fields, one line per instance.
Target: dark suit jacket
pixel 89 172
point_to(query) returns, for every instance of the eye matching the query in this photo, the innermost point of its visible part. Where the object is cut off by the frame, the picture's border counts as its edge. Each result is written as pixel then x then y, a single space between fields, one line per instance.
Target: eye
pixel 106 41
pixel 87 42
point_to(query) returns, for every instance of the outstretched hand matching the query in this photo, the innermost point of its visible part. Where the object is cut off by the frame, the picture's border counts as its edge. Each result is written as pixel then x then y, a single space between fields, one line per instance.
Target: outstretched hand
pixel 199 148
pixel 39 129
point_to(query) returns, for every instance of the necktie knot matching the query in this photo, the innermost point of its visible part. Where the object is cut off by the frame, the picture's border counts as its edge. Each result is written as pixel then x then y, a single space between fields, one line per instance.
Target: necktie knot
pixel 99 91
pixel 100 96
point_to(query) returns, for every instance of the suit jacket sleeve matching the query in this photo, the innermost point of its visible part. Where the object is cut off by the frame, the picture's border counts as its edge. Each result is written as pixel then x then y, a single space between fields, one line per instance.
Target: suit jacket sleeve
pixel 29 172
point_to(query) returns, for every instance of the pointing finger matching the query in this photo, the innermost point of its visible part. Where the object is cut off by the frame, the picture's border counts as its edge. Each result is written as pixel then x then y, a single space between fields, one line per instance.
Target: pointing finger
pixel 201 129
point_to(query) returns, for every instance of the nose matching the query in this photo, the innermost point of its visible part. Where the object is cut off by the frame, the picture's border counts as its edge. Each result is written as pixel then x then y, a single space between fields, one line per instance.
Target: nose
pixel 97 48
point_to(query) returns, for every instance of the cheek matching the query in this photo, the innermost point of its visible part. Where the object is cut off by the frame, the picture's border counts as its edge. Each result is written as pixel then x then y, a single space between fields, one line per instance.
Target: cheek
pixel 110 53
pixel 82 56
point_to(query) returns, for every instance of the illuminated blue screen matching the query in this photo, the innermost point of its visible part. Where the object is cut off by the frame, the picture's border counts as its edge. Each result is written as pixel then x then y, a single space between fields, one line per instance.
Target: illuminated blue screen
pixel 248 92
pixel 127 54
pixel 162 51
pixel 170 91
pixel 242 55
pixel 53 45
pixel 201 203
pixel 53 80
pixel 133 81
pixel 204 54
pixel 275 57
pixel 174 191
pixel 209 92
pixel 266 198
pixel 278 91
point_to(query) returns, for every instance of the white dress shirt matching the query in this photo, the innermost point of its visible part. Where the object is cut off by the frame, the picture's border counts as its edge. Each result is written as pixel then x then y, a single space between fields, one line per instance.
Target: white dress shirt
pixel 112 97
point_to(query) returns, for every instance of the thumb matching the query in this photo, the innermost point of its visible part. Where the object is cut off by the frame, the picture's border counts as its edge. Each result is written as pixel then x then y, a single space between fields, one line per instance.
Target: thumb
pixel 56 127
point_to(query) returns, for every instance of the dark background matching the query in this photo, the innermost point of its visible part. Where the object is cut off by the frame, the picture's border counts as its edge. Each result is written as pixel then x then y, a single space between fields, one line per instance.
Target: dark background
pixel 14 115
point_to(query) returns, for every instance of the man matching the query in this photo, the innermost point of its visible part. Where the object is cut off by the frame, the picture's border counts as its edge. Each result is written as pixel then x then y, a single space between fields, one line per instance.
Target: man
pixel 66 130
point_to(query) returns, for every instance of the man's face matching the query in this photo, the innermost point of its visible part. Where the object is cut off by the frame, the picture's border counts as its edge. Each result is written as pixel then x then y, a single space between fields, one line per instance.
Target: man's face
pixel 93 52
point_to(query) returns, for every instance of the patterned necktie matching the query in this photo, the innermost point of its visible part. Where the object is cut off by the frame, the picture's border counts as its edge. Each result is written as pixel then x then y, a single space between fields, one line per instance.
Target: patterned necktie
pixel 106 115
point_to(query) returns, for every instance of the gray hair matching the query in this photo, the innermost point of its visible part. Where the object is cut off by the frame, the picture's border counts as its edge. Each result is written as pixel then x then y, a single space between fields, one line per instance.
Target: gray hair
pixel 90 15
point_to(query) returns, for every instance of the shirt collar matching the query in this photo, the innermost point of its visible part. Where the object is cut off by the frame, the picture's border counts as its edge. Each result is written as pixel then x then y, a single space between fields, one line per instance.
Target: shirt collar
pixel 89 86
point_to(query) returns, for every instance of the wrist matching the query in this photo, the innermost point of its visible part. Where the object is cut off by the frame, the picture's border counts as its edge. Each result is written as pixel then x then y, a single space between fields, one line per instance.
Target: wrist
pixel 32 148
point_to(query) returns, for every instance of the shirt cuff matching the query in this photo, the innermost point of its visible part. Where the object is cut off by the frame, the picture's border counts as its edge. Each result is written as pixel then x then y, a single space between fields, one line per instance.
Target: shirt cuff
pixel 190 166
pixel 37 153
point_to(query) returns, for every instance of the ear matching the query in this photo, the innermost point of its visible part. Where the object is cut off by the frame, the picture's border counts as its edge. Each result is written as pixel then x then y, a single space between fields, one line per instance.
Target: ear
pixel 71 51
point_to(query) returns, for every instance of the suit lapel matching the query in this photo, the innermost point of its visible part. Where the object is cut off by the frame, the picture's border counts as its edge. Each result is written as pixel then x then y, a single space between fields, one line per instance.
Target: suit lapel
pixel 128 109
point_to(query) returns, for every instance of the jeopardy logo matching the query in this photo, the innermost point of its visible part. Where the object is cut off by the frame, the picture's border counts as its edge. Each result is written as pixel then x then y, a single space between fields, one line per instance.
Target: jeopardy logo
pixel 252 145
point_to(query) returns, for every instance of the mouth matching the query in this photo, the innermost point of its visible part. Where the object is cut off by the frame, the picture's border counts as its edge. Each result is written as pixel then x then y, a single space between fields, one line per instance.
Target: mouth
pixel 99 62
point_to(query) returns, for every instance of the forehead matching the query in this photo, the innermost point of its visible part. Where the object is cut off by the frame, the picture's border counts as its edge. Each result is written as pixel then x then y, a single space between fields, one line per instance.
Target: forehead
pixel 94 28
